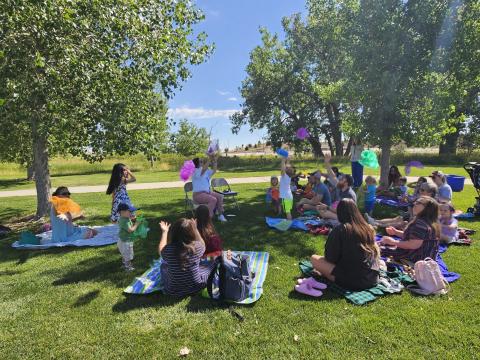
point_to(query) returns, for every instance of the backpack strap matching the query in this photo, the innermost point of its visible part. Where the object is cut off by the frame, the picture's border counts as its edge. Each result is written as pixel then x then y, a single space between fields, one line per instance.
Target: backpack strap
pixel 216 266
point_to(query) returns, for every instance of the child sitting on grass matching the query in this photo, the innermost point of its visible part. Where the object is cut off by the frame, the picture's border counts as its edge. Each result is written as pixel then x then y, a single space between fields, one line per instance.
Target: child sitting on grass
pixel 213 242
pixel 403 187
pixel 273 195
pixel 285 190
pixel 449 225
pixel 370 194
pixel 125 234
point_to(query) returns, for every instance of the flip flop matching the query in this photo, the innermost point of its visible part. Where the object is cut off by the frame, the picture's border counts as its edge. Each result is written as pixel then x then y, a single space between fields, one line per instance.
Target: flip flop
pixel 313 282
pixel 307 289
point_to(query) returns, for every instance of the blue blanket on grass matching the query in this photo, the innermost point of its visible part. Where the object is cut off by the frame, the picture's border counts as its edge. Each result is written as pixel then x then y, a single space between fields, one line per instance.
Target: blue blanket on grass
pixel 151 280
pixel 295 224
pixel 391 202
pixel 449 276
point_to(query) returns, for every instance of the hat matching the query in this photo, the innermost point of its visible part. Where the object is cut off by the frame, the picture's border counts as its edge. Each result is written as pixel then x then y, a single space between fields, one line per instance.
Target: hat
pixel 317 174
pixel 437 173
pixel 125 206
pixel 61 191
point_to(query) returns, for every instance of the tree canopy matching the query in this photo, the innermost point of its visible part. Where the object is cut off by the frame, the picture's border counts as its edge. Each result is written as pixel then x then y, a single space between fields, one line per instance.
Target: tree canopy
pixel 91 78
pixel 189 139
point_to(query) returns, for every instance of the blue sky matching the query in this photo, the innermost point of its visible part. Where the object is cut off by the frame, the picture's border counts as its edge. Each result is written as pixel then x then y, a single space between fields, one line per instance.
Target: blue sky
pixel 211 94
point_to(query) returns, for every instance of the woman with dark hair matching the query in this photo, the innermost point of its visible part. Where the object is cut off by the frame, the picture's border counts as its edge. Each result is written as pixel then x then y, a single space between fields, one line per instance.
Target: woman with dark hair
pixel 421 236
pixel 392 189
pixel 201 186
pixel 352 258
pixel 121 176
pixel 62 214
pixel 181 248
pixel 213 242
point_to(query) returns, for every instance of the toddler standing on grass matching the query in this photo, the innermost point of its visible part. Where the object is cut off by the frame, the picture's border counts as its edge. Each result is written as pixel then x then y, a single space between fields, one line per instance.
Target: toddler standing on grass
pixel 125 234
pixel 273 195
pixel 370 194
pixel 286 195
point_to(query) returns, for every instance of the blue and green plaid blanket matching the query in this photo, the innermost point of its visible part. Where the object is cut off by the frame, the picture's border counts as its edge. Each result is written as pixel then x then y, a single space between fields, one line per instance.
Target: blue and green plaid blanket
pixel 151 280
pixel 390 283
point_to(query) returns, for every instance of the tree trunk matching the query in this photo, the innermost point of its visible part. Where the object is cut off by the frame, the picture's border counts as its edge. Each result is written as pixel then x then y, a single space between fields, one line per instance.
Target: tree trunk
pixel 335 123
pixel 42 174
pixel 385 162
pixel 30 172
pixel 329 142
pixel 449 144
pixel 349 147
pixel 316 146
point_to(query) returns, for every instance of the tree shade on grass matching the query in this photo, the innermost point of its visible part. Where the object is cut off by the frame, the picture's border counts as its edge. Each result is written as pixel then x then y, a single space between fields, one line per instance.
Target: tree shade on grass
pixel 69 303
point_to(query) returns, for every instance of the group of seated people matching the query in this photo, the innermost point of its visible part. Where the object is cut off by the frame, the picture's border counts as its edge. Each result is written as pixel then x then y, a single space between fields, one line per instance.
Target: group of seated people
pixel 352 255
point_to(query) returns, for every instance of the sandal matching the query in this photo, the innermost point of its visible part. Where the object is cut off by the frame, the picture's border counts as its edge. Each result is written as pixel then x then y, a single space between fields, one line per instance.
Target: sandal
pixel 313 282
pixel 307 289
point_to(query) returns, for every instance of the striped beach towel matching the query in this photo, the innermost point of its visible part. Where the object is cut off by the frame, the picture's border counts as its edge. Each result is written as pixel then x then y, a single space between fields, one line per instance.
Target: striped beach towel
pixel 151 280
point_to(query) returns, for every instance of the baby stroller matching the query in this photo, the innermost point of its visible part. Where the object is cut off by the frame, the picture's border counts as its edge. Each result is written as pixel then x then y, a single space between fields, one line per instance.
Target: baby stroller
pixel 473 169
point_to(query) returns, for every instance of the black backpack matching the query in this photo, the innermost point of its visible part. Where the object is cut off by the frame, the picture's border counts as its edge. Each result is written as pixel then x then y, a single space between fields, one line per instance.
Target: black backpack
pixel 230 280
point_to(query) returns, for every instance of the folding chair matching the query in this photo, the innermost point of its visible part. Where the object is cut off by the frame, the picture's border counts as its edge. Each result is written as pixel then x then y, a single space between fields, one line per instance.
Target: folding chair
pixel 221 186
pixel 190 205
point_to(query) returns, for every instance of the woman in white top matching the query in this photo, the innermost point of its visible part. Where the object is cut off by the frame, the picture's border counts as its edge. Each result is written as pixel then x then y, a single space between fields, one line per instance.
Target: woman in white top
pixel 201 186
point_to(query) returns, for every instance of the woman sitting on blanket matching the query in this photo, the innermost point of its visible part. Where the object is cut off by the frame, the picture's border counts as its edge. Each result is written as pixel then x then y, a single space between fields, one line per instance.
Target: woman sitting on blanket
pixel 62 214
pixel 181 248
pixel 352 258
pixel 421 237
pixel 392 190
pixel 213 241
pixel 201 186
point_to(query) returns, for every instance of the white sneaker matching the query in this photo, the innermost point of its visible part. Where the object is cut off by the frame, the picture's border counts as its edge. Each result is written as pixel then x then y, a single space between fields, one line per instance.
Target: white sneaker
pixel 222 218
pixel 128 266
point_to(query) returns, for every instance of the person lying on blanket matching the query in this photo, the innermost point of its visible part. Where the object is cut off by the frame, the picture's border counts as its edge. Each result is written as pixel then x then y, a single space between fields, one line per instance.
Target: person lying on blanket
pixel 181 247
pixel 352 257
pixel 343 190
pixel 421 236
pixel 321 195
pixel 62 214
pixel 401 221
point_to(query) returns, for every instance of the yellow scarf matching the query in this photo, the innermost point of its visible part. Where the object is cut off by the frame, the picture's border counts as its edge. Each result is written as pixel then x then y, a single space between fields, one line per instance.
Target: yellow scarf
pixel 66 205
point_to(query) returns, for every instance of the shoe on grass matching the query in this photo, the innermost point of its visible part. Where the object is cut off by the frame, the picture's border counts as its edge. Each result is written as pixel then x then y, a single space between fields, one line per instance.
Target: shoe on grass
pixel 222 218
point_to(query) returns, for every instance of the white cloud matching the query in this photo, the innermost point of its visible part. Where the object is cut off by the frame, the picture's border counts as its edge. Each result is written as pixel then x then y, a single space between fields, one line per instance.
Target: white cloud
pixel 223 93
pixel 199 113
pixel 233 98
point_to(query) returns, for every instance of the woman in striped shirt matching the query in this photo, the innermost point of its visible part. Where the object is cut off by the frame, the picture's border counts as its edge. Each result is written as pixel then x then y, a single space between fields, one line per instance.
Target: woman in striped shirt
pixel 181 248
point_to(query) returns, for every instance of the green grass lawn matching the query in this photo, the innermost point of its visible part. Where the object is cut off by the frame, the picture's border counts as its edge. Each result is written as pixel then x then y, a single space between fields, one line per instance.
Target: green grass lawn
pixel 68 303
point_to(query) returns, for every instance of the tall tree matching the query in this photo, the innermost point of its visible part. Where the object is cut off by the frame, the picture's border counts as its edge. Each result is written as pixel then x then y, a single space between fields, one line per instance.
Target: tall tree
pixel 273 99
pixel 90 78
pixel 394 80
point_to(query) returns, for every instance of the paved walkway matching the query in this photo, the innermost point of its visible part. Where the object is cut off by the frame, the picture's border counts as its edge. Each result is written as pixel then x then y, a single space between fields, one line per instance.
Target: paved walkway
pixel 154 185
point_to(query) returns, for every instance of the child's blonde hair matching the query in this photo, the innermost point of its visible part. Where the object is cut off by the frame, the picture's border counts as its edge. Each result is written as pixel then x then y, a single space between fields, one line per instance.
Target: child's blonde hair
pixel 447 204
pixel 370 179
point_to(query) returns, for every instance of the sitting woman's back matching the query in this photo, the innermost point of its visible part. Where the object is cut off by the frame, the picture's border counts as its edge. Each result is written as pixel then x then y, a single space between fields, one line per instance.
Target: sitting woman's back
pixel 352 258
pixel 351 247
pixel 182 272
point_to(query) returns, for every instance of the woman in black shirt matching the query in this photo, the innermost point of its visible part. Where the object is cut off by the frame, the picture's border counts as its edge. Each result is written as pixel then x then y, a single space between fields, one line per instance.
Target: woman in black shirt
pixel 352 257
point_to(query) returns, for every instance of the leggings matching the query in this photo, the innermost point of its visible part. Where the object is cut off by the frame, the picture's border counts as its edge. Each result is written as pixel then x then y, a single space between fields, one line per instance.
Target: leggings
pixel 212 200
pixel 357 174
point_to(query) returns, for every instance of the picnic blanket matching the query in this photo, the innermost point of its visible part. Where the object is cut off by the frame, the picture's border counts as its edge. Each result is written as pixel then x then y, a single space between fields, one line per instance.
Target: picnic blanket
pixel 304 223
pixel 391 282
pixel 107 235
pixel 151 280
pixel 391 202
pixel 449 276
